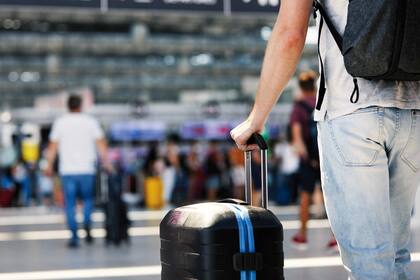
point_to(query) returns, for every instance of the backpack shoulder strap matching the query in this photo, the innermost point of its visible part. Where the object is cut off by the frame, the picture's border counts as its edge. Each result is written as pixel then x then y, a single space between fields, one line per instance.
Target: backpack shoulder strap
pixel 318 7
pixel 337 37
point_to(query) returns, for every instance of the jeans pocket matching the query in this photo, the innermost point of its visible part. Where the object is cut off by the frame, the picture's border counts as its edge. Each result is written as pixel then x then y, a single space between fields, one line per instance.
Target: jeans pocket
pixel 411 153
pixel 356 136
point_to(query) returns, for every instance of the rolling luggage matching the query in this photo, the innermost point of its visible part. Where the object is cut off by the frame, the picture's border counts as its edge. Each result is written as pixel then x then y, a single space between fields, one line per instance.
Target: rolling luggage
pixel 153 189
pixel 6 197
pixel 7 191
pixel 116 219
pixel 226 240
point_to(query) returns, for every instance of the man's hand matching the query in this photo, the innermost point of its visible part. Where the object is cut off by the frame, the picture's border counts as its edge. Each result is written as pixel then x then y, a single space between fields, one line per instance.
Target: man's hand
pixel 102 147
pixel 242 133
pixel 108 167
pixel 301 149
pixel 298 142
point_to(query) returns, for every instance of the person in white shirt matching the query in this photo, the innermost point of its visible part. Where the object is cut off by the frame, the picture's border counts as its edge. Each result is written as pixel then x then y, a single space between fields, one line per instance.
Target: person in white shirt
pixel 77 138
pixel 369 151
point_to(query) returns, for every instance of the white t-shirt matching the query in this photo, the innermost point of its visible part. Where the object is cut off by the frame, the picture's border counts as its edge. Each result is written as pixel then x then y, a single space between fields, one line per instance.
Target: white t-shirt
pixel 403 95
pixel 76 135
pixel 290 159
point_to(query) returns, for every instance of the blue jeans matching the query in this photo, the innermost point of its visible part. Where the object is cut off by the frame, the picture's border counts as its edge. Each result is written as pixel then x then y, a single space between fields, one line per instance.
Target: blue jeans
pixel 26 189
pixel 370 163
pixel 74 185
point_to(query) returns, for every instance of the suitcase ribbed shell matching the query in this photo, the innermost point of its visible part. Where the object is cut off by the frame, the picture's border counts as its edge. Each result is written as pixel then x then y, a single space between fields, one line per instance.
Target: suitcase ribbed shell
pixel 198 242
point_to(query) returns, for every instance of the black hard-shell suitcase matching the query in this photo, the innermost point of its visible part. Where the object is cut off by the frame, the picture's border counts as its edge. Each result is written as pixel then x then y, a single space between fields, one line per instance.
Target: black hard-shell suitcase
pixel 227 240
pixel 116 218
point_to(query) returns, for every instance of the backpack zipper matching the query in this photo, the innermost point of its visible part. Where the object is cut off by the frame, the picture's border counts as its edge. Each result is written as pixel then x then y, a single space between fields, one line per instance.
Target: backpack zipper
pixel 356 92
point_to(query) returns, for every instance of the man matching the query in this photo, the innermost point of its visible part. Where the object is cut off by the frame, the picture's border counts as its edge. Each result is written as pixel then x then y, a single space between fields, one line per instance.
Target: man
pixel 369 150
pixel 77 137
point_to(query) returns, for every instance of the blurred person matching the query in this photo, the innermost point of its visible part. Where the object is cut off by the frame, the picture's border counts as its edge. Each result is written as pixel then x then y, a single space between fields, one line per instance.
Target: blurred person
pixel 368 143
pixel 154 170
pixel 154 164
pixel 196 174
pixel 32 169
pixel 237 170
pixel 213 166
pixel 16 201
pixel 77 137
pixel 7 187
pixel 21 178
pixel 8 156
pixel 304 140
pixel 256 178
pixel 226 183
pixel 45 183
pixel 287 161
pixel 169 173
pixel 181 183
pixel 168 179
pixel 8 159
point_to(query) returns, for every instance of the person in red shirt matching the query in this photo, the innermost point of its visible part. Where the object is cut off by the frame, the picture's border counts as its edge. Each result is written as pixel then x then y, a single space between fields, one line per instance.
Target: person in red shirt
pixel 304 140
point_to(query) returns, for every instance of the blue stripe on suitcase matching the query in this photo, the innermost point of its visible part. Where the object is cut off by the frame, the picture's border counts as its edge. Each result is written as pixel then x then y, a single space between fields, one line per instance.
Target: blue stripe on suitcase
pixel 251 239
pixel 243 236
pixel 246 236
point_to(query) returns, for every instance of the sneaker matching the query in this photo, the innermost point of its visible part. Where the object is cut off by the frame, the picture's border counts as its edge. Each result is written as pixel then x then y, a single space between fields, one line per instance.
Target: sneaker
pixel 73 244
pixel 332 246
pixel 299 242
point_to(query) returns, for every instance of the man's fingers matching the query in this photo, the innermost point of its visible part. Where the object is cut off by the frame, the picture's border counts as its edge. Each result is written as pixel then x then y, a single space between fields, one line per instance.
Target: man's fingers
pixel 241 135
pixel 241 142
pixel 252 147
pixel 242 147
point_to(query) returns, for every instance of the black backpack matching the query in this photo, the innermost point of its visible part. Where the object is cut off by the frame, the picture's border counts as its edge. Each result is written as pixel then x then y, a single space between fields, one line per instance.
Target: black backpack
pixel 381 41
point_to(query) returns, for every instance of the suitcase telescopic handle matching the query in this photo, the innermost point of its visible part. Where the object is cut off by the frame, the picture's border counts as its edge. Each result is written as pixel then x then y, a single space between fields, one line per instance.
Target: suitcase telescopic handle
pixel 257 139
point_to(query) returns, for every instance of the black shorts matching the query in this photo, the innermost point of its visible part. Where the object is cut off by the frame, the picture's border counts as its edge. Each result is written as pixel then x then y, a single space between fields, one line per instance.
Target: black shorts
pixel 308 177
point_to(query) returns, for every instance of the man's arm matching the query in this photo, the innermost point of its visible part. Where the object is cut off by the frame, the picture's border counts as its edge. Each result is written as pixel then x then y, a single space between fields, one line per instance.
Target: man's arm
pixel 281 58
pixel 51 156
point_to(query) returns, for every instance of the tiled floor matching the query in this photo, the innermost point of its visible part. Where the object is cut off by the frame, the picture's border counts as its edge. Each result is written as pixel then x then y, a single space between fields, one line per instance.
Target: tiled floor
pixel 32 248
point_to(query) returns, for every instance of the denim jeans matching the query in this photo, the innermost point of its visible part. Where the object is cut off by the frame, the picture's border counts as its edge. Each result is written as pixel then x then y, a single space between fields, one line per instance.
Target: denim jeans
pixel 74 185
pixel 370 163
pixel 26 190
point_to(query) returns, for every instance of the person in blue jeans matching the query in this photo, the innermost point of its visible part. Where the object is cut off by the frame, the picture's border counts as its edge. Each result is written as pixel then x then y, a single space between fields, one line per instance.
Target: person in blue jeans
pixel 77 138
pixel 84 186
pixel 369 150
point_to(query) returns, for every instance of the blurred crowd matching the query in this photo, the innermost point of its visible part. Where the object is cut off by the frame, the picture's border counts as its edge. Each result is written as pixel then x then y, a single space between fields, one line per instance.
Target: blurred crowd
pixel 210 171
pixel 23 182
pixel 170 172
pixel 177 172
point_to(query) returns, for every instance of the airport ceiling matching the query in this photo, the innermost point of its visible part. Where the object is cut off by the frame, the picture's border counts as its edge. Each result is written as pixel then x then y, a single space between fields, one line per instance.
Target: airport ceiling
pixel 173 16
pixel 185 14
pixel 45 48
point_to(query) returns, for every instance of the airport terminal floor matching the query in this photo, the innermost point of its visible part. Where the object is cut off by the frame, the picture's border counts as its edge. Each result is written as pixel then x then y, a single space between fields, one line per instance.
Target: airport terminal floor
pixel 32 247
